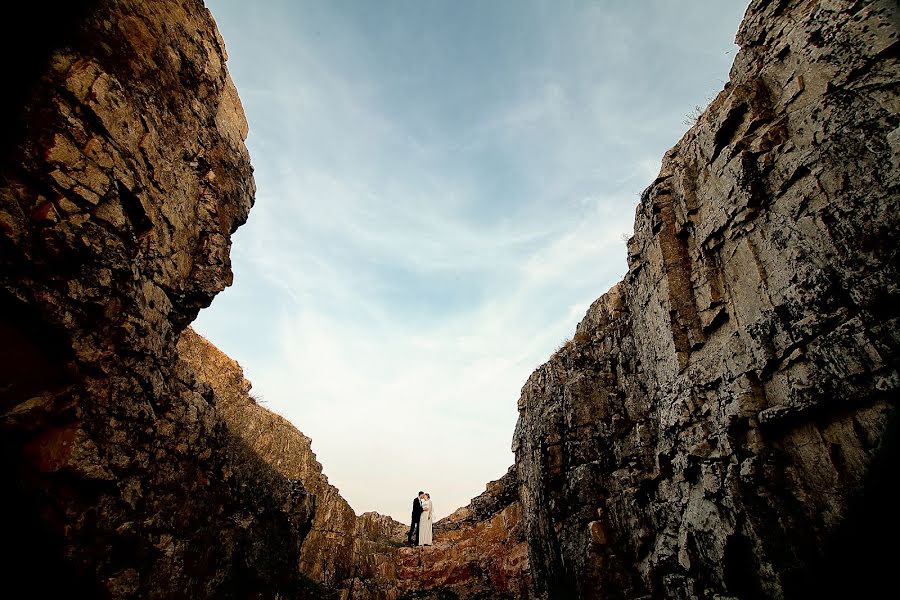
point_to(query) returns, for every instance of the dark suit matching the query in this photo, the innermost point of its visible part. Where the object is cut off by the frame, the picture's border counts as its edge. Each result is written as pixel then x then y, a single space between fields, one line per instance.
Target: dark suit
pixel 414 527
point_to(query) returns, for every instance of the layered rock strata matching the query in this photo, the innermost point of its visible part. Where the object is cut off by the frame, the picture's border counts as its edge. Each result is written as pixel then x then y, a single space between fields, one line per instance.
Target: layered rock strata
pixel 123 176
pixel 721 423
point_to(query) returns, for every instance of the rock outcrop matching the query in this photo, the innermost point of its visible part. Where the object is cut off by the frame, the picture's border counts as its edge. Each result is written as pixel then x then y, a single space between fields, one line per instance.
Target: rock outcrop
pixel 721 423
pixel 341 551
pixel 123 176
pixel 479 550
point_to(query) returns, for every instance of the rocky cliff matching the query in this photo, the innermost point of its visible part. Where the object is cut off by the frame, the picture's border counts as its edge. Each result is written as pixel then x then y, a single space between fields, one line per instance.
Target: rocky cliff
pixel 723 422
pixel 123 176
pixel 479 550
pixel 341 550
pixel 137 462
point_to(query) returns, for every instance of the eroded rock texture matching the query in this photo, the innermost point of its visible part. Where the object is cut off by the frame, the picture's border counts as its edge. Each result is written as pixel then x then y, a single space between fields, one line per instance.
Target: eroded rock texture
pixel 123 177
pixel 479 550
pixel 341 551
pixel 711 428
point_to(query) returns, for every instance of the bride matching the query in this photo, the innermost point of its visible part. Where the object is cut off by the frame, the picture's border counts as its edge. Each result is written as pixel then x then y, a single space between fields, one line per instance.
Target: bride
pixel 425 520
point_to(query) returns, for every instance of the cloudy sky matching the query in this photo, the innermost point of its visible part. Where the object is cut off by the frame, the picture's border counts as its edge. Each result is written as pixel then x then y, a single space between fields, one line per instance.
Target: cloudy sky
pixel 443 189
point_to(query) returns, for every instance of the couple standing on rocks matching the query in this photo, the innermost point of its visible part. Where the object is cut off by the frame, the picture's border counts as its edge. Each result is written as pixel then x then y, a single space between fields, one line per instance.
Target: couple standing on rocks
pixel 422 511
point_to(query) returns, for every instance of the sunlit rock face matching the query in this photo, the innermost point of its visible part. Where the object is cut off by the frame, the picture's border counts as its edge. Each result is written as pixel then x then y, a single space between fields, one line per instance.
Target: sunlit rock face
pixel 479 550
pixel 340 549
pixel 124 174
pixel 721 424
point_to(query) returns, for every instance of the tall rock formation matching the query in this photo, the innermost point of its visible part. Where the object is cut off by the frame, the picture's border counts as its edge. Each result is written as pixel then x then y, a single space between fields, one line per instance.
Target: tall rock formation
pixel 720 425
pixel 135 467
pixel 123 176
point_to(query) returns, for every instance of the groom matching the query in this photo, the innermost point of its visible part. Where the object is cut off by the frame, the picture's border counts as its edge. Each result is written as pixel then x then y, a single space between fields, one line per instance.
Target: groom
pixel 416 513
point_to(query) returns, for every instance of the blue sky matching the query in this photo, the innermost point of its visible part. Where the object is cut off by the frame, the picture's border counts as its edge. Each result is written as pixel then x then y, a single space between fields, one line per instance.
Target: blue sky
pixel 442 190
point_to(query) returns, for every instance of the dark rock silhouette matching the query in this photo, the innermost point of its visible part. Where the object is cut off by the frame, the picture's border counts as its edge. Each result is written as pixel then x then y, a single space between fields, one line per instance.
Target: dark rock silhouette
pixel 124 174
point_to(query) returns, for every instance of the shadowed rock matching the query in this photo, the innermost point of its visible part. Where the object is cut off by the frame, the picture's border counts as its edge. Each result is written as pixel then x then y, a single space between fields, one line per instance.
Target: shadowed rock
pixel 123 177
pixel 722 424
pixel 711 425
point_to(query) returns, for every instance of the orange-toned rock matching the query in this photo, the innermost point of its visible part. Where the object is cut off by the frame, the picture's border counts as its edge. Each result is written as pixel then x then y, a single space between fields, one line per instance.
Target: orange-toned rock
pixel 479 550
pixel 341 549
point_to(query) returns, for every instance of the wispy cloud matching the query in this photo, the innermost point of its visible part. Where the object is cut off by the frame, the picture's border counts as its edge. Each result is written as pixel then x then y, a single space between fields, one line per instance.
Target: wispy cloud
pixel 428 227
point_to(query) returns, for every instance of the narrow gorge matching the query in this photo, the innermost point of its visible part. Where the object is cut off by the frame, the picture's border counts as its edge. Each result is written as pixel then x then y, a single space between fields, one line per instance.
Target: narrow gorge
pixel 721 425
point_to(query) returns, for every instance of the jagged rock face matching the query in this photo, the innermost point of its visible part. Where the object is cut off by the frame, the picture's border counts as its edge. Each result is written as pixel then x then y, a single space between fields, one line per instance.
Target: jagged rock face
pixel 123 181
pixel 722 416
pixel 479 550
pixel 340 546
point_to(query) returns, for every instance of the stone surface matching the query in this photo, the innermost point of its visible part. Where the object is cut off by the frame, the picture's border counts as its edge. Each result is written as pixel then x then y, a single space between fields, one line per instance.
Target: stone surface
pixel 722 424
pixel 479 550
pixel 711 428
pixel 340 548
pixel 123 176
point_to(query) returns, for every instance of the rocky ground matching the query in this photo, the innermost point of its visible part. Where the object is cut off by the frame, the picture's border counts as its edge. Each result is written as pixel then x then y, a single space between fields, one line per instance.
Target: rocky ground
pixel 479 551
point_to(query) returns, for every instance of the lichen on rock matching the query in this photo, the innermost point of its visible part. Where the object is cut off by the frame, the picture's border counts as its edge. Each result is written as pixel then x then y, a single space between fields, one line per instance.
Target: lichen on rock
pixel 713 423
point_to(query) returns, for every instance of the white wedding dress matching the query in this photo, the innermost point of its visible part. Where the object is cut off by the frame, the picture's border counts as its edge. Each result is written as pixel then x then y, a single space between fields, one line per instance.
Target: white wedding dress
pixel 425 523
